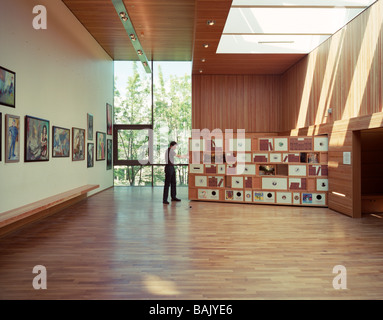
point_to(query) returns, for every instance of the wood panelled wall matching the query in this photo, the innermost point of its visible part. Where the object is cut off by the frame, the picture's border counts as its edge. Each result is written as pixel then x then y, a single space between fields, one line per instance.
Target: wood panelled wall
pixel 344 73
pixel 249 102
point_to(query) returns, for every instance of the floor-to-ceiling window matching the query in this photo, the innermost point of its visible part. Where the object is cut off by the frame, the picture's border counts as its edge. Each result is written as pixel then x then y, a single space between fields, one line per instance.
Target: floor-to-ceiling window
pixel 150 111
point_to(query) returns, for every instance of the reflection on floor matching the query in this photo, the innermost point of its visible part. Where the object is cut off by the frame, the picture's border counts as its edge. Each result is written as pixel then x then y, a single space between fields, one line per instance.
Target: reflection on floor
pixel 125 244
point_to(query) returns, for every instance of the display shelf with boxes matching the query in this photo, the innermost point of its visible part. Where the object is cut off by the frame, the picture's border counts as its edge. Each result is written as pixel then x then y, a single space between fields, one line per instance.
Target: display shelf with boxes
pixel 260 170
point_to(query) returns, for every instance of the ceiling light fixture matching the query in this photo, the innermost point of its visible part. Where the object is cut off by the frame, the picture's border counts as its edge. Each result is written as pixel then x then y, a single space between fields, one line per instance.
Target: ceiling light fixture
pixel 266 42
pixel 205 45
pixel 123 15
pixel 210 22
pixel 200 71
pixel 203 60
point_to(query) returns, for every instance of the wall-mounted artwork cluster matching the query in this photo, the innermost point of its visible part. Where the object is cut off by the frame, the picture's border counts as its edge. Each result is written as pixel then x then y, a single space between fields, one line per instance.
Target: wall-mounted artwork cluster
pixel 38 140
pixel 260 170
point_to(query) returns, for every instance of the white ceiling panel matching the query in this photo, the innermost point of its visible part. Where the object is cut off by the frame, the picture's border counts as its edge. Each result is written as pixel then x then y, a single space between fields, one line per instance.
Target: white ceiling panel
pixel 288 20
pixel 319 3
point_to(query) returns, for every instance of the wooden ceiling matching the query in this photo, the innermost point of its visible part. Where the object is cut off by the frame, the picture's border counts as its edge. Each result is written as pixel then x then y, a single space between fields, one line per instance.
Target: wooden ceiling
pixel 165 27
pixel 174 30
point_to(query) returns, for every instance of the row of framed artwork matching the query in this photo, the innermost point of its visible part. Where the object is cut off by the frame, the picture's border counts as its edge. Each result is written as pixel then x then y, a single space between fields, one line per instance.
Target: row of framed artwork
pixel 37 141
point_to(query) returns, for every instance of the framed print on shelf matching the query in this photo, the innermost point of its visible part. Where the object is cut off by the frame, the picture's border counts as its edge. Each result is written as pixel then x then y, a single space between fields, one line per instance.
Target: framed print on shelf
pixel 109 119
pixel 90 157
pixel 90 126
pixel 100 145
pixel 109 154
pixel 7 87
pixel 36 143
pixel 78 144
pixel 12 138
pixel 60 142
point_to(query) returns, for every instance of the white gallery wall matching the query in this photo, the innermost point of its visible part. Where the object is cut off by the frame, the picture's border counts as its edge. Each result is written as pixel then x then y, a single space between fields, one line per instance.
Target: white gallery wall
pixel 61 75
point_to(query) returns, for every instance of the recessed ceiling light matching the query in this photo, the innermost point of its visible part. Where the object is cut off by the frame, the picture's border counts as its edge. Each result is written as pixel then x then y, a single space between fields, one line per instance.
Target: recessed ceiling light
pixel 203 60
pixel 205 45
pixel 200 71
pixel 145 64
pixel 122 14
pixel 124 18
pixel 139 52
pixel 210 22
pixel 132 37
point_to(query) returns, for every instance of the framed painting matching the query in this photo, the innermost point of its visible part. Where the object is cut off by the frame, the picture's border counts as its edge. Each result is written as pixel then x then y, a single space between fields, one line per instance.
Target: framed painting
pixel 100 145
pixel 36 143
pixel 1 130
pixel 90 126
pixel 90 155
pixel 7 87
pixel 109 119
pixel 78 144
pixel 60 142
pixel 109 155
pixel 12 138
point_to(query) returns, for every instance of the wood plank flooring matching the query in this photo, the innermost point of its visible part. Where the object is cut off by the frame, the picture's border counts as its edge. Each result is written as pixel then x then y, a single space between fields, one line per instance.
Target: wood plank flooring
pixel 125 244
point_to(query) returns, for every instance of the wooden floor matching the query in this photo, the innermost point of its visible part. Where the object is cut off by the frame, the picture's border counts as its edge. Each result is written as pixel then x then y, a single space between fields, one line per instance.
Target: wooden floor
pixel 124 244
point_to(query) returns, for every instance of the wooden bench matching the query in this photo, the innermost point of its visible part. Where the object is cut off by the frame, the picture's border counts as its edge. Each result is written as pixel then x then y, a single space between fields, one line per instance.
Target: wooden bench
pixel 14 219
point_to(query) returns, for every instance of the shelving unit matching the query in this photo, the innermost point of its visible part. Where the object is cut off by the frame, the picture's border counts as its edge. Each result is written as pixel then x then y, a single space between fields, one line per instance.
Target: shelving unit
pixel 270 170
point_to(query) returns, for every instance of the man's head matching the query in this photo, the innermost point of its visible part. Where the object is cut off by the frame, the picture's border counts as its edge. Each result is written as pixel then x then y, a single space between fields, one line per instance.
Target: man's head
pixel 173 145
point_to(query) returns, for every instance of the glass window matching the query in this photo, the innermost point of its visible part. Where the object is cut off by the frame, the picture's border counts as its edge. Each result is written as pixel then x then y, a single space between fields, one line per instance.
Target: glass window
pixel 132 93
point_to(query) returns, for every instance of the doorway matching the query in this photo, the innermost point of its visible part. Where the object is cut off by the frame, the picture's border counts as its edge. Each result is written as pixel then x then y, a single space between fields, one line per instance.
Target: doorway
pixel 371 171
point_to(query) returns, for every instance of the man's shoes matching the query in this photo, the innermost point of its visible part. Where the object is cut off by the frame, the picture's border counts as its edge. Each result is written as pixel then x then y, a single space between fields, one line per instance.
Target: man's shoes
pixel 176 199
pixel 165 202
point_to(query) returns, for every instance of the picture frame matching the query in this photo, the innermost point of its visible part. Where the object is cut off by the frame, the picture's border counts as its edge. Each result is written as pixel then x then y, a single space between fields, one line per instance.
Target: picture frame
pixel 78 144
pixel 109 119
pixel 90 155
pixel 36 143
pixel 1 138
pixel 100 145
pixel 12 138
pixel 7 87
pixel 60 142
pixel 90 126
pixel 109 154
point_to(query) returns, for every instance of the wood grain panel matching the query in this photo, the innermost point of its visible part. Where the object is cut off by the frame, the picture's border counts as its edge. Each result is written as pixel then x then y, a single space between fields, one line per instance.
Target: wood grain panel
pixel 236 102
pixel 165 28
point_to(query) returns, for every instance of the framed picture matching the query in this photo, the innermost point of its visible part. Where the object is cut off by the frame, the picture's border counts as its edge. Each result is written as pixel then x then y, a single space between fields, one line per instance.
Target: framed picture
pixel 12 138
pixel 90 126
pixel 109 154
pixel 78 144
pixel 7 87
pixel 60 142
pixel 100 145
pixel 90 157
pixel 109 119
pixel 1 130
pixel 36 139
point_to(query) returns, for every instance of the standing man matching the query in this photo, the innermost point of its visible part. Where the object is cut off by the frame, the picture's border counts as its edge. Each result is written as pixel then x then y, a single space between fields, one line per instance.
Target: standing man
pixel 170 173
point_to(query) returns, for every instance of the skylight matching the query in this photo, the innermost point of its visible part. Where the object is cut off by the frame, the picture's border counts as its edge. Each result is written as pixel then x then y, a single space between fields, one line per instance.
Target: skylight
pixel 285 26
